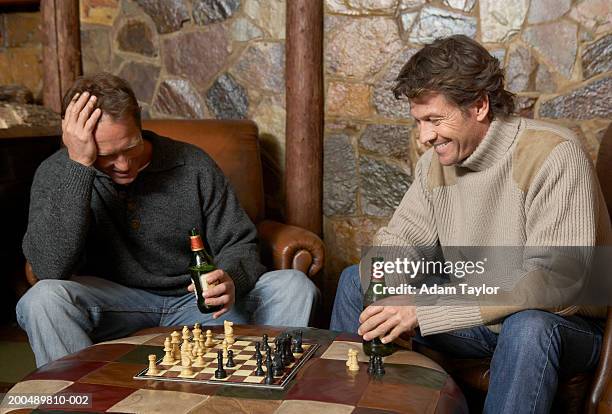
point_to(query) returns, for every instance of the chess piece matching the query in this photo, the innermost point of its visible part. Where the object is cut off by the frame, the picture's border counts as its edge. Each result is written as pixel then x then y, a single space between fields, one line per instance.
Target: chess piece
pixel 277 366
pixel 152 367
pixel 220 373
pixel 176 353
pixel 371 365
pixel 194 347
pixel 259 372
pixel 199 362
pixel 353 362
pixel 230 359
pixel 269 374
pixel 168 357
pixel 185 343
pixel 228 330
pixel 197 333
pixel 258 350
pixel 209 339
pixel 297 343
pixel 224 348
pixel 266 346
pixel 186 372
pixel 379 368
pixel 185 332
pixel 289 358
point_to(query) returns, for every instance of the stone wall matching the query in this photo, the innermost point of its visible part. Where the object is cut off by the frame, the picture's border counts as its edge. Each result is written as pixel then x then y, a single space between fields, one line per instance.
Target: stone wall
pixel 21 51
pixel 196 59
pixel 558 60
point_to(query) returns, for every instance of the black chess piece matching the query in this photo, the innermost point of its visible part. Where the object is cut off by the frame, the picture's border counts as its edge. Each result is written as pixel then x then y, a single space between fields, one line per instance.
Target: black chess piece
pixel 297 344
pixel 259 372
pixel 220 372
pixel 371 365
pixel 269 374
pixel 278 366
pixel 230 359
pixel 258 349
pixel 266 346
pixel 289 358
pixel 379 367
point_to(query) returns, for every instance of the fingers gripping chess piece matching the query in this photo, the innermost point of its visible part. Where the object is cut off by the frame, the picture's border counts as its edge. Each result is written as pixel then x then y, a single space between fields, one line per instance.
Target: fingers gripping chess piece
pixel 168 357
pixel 152 367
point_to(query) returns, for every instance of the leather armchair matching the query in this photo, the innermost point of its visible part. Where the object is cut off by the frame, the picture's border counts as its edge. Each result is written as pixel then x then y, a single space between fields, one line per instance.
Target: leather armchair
pixel 589 392
pixel 234 145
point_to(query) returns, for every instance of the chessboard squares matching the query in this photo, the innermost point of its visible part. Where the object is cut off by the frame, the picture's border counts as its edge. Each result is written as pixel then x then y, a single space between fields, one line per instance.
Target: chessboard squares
pixel 158 401
pixel 139 354
pixel 313 407
pixel 339 349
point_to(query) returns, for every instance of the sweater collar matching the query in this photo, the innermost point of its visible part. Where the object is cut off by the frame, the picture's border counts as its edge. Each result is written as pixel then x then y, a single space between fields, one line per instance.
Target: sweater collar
pixel 498 139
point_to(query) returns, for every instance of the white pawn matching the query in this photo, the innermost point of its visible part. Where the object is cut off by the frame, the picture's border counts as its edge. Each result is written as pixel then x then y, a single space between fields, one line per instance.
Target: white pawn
pixel 176 353
pixel 199 362
pixel 209 339
pixel 168 358
pixel 152 367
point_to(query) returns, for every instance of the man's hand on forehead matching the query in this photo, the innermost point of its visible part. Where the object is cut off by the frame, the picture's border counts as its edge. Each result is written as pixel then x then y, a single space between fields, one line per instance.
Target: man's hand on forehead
pixel 80 120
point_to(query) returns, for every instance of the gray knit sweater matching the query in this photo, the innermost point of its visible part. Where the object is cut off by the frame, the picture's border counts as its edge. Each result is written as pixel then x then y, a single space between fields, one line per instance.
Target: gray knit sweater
pixel 137 235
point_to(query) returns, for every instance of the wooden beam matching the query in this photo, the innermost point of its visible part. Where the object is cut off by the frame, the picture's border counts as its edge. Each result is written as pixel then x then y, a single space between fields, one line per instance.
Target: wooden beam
pixel 304 124
pixel 61 49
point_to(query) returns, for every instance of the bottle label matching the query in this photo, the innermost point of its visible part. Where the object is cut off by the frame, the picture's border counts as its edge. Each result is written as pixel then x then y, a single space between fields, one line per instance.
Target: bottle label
pixel 196 243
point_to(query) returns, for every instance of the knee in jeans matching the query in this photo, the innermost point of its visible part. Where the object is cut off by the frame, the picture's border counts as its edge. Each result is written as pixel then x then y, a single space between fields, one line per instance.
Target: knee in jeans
pixel 527 325
pixel 298 282
pixel 44 297
pixel 349 278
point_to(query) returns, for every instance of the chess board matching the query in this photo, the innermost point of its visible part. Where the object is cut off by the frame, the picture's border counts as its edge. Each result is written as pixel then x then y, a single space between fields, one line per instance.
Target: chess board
pixel 243 374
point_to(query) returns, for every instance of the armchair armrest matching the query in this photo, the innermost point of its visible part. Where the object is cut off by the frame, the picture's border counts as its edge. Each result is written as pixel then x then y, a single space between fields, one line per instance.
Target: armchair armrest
pixel 291 247
pixel 602 386
pixel 30 276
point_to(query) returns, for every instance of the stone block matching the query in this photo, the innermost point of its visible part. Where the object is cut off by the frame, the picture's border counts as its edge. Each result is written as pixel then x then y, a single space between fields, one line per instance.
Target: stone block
pixel 525 106
pixel 268 14
pixel 547 10
pixel 362 7
pixel 243 30
pixel 178 98
pixel 262 65
pixel 101 12
pixel 209 11
pixel 544 80
pixel 95 48
pixel 519 68
pixel 384 101
pixel 434 23
pixel 463 5
pixel 589 101
pixel 500 20
pixel 594 15
pixel 137 37
pixel 22 29
pixel 556 42
pixel 227 99
pixel 597 57
pixel 362 47
pixel 142 77
pixel 382 186
pixel 348 99
pixel 387 140
pixel 185 56
pixel 339 176
pixel 168 15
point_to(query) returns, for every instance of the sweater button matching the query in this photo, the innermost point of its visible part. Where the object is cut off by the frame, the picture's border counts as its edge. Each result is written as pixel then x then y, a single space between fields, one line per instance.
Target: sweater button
pixel 131 205
pixel 135 224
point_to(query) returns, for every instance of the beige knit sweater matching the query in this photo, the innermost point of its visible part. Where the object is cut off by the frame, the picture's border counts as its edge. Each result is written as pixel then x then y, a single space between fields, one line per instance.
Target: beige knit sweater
pixel 528 183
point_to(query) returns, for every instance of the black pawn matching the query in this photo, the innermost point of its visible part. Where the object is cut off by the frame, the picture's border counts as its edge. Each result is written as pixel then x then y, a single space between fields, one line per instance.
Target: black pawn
pixel 230 359
pixel 297 344
pixel 278 366
pixel 266 346
pixel 220 372
pixel 379 368
pixel 269 375
pixel 289 358
pixel 371 365
pixel 259 372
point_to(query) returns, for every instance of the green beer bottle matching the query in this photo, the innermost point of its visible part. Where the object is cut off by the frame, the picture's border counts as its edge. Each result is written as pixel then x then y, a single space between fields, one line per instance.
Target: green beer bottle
pixel 375 346
pixel 201 264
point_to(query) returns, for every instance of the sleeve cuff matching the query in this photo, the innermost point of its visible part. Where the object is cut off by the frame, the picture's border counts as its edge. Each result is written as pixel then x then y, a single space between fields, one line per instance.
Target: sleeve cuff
pixel 79 179
pixel 440 319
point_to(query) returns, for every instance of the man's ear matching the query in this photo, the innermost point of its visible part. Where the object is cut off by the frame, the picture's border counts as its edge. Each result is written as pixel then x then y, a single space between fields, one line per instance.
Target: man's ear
pixel 481 108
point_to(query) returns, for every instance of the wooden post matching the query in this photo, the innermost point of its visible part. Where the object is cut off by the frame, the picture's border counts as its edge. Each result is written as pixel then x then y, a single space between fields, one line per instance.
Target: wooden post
pixel 61 49
pixel 304 125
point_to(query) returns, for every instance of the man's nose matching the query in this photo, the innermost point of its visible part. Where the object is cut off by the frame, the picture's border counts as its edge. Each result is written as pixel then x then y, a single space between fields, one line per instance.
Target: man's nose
pixel 426 134
pixel 122 163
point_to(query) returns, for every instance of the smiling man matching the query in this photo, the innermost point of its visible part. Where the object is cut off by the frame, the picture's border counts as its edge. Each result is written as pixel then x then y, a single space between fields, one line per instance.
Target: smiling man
pixel 489 179
pixel 108 232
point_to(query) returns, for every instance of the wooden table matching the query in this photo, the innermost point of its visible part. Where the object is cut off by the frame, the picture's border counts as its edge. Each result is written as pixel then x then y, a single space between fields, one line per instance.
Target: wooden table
pixel 412 384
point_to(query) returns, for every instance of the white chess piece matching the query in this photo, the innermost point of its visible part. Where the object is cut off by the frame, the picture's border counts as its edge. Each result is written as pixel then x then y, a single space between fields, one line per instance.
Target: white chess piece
pixel 209 339
pixel 152 367
pixel 168 357
pixel 186 364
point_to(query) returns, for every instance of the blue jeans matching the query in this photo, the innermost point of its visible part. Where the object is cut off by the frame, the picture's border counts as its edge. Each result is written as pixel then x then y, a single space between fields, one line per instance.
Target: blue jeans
pixel 65 316
pixel 532 351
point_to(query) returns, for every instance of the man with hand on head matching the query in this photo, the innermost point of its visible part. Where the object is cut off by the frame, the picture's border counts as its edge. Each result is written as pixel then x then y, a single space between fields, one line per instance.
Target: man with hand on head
pixel 108 227
pixel 490 179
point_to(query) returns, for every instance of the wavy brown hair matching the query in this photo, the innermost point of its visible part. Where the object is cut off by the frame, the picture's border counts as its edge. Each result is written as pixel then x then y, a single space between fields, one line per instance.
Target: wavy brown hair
pixel 114 96
pixel 460 69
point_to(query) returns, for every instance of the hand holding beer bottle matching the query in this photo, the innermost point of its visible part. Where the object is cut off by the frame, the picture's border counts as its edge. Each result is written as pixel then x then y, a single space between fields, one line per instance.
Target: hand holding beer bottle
pixel 201 264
